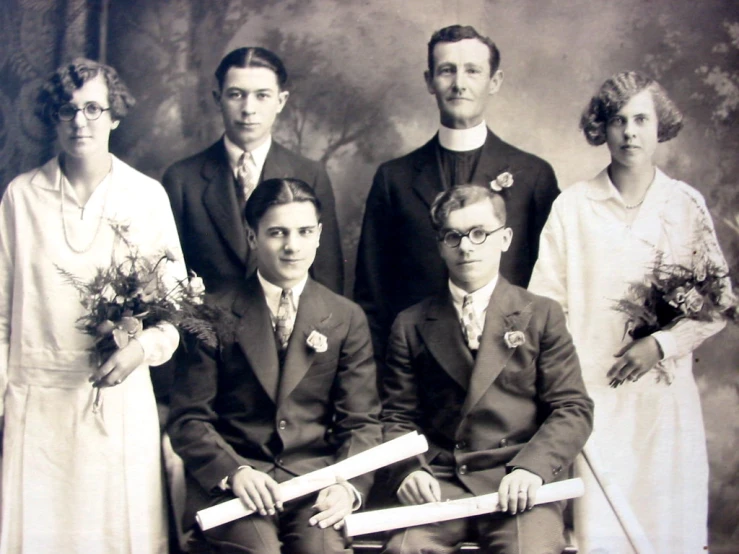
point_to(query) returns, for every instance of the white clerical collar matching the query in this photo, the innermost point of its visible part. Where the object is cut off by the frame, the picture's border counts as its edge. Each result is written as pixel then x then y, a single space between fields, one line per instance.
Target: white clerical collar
pixel 272 292
pixel 259 154
pixel 480 297
pixel 463 140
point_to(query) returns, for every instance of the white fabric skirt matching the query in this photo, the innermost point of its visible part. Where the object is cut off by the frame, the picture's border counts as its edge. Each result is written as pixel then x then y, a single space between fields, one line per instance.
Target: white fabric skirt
pixel 651 441
pixel 76 481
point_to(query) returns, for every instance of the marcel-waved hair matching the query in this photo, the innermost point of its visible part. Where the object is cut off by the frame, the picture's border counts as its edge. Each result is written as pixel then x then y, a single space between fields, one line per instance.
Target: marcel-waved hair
pixel 615 93
pixel 251 56
pixel 277 192
pixel 461 196
pixel 455 33
pixel 59 87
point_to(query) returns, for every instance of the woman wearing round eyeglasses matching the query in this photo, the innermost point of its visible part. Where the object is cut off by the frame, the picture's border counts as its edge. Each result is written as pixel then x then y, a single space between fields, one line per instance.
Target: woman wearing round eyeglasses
pixel 77 479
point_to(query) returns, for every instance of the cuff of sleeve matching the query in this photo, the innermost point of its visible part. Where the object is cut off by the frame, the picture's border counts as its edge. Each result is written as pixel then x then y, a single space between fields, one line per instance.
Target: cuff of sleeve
pixel 667 343
pixel 159 343
pixel 354 492
pixel 225 483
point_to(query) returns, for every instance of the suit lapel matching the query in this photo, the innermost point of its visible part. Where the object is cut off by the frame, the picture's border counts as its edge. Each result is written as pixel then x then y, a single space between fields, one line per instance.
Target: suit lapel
pixel 313 315
pixel 492 162
pixel 255 335
pixel 442 335
pixel 277 165
pixel 506 312
pixel 427 182
pixel 219 199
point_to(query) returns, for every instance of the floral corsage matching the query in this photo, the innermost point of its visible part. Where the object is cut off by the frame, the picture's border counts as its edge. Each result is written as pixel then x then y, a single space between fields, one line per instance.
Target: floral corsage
pixel 514 339
pixel 502 181
pixel 317 342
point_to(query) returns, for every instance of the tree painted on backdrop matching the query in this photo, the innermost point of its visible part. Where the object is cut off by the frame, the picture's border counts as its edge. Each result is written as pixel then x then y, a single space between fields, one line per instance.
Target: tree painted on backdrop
pixel 694 52
pixel 700 69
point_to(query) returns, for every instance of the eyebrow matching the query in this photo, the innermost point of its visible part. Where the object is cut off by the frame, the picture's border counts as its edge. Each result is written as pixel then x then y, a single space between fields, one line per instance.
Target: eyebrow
pixel 241 89
pixel 279 228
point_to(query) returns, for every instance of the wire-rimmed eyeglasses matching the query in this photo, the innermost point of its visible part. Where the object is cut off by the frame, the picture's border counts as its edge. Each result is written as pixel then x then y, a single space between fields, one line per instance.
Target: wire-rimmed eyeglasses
pixel 91 111
pixel 477 235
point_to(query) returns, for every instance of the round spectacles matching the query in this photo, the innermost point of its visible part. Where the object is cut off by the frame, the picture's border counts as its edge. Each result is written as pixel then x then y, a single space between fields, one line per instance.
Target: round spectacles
pixel 91 110
pixel 477 235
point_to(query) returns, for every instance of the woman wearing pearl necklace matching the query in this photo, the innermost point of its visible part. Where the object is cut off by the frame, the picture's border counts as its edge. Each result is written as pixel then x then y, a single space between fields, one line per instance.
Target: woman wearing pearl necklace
pixel 78 479
pixel 648 442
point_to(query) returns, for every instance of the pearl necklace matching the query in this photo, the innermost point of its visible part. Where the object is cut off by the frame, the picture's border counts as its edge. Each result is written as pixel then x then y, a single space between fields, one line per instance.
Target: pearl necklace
pixel 640 202
pixel 87 248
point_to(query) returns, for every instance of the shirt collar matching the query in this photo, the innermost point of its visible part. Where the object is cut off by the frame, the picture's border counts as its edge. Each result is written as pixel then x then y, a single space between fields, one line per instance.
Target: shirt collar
pixel 480 297
pixel 272 292
pixel 463 140
pixel 602 189
pixel 259 154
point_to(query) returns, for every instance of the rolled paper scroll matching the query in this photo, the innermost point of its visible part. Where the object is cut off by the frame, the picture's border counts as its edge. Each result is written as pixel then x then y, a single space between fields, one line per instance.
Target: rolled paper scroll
pixel 421 514
pixel 619 504
pixel 379 456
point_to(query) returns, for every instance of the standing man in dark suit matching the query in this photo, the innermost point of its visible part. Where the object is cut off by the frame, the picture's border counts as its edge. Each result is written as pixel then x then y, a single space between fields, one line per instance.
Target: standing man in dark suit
pixel 397 263
pixel 208 190
pixel 290 389
pixel 488 372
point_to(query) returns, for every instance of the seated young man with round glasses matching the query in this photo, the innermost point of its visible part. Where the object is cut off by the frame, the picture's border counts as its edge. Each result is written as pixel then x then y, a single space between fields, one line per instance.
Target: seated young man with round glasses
pixel 488 372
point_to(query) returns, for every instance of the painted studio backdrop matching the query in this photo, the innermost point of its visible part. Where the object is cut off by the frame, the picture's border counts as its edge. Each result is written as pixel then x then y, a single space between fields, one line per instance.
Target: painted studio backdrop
pixel 358 98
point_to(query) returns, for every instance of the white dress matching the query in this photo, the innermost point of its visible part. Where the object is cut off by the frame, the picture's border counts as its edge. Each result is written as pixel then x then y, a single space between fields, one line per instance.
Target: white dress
pixel 73 481
pixel 649 436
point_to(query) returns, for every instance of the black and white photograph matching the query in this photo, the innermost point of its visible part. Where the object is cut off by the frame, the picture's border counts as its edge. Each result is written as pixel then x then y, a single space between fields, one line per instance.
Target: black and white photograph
pixel 398 276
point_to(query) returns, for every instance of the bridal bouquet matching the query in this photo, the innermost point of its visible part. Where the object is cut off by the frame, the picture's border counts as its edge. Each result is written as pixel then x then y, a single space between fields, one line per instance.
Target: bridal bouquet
pixel 139 292
pixel 672 292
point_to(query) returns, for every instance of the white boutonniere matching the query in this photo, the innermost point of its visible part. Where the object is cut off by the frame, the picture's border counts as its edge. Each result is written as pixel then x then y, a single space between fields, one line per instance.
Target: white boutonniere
pixel 317 341
pixel 514 339
pixel 502 181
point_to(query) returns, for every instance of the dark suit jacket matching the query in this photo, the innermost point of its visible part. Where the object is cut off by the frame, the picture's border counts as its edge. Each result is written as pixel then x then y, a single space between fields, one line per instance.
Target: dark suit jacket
pixel 398 263
pixel 525 406
pixel 235 407
pixel 202 193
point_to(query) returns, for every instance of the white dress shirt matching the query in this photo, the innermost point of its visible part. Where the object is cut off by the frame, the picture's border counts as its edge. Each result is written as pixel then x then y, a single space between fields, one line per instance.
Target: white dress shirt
pixel 272 295
pixel 259 154
pixel 480 299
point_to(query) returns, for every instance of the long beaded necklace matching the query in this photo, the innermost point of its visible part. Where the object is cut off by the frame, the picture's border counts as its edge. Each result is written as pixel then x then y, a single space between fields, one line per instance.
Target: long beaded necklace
pixel 87 248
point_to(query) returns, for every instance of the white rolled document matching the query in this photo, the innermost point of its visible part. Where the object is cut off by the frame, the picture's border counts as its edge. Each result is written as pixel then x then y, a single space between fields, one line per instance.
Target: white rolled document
pixel 421 514
pixel 382 455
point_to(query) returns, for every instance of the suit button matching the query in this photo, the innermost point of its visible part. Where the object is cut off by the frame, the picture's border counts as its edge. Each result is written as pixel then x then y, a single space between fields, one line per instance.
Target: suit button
pixel 282 425
pixel 461 445
pixel 503 443
pixel 556 470
pixel 278 461
pixel 462 469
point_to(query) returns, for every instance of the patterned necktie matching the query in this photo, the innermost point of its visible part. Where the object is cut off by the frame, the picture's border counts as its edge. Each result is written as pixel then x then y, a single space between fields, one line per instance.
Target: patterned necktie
pixel 471 326
pixel 284 319
pixel 246 174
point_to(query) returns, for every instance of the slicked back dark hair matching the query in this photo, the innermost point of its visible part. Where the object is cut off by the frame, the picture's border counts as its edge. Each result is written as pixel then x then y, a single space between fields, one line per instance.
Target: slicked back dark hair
pixel 252 56
pixel 277 192
pixel 615 93
pixel 455 33
pixel 59 87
